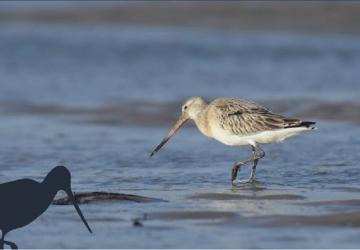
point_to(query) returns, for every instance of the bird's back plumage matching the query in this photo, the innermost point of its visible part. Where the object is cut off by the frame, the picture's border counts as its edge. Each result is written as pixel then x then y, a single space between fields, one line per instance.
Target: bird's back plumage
pixel 237 122
pixel 246 118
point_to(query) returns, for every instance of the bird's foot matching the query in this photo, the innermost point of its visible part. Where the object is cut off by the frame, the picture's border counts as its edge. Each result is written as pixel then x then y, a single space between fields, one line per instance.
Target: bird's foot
pixel 246 181
pixel 10 244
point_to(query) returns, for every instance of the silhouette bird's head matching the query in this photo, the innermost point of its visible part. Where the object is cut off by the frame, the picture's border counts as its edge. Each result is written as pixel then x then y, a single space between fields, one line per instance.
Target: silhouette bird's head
pixel 59 178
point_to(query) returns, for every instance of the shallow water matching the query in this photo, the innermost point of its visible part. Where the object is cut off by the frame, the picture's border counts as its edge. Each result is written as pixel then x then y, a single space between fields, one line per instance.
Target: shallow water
pixel 308 190
pixel 129 62
pixel 297 178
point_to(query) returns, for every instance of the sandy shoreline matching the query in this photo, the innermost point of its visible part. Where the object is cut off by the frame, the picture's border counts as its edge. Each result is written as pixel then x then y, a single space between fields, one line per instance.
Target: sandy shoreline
pixel 158 114
pixel 304 17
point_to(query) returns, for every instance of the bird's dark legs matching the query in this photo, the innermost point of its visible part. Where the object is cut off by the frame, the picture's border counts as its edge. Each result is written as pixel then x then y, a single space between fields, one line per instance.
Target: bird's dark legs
pixel 258 153
pixel 11 244
pixel 4 242
pixel 238 164
pixel 257 156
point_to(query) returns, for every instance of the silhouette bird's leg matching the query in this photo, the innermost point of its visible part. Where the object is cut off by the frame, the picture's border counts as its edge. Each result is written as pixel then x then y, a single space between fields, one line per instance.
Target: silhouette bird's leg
pixel 2 240
pixel 258 153
pixel 11 244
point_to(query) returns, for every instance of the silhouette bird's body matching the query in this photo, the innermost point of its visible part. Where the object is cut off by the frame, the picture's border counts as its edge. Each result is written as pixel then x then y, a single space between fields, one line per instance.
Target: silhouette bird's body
pixel 237 122
pixel 24 200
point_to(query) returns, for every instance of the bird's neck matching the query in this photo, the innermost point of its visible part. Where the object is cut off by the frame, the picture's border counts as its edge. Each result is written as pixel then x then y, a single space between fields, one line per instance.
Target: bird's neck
pixel 49 189
pixel 201 122
pixel 197 111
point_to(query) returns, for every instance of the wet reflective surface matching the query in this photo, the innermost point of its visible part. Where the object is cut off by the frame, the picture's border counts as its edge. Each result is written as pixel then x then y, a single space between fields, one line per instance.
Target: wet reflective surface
pixel 308 188
pixel 304 191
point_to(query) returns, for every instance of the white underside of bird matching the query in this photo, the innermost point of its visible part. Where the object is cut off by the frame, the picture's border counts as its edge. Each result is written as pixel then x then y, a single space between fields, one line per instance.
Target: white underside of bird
pixel 264 137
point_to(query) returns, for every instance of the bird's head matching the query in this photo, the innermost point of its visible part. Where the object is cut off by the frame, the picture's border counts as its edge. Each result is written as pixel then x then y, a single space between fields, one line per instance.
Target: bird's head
pixel 189 110
pixel 59 178
pixel 192 107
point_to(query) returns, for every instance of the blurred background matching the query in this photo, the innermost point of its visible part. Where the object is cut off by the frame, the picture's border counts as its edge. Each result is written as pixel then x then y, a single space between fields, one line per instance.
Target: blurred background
pixel 95 86
pixel 78 53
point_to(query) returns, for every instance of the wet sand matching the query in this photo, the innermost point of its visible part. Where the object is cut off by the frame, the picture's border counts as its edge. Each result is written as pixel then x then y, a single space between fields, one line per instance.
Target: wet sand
pixel 190 215
pixel 230 218
pixel 309 17
pixel 91 197
pixel 314 196
pixel 333 220
pixel 221 196
pixel 341 218
pixel 155 114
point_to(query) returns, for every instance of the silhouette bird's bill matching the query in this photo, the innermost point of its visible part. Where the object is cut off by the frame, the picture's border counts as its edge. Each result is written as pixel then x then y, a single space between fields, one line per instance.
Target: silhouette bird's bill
pixel 24 200
pixel 70 194
pixel 172 132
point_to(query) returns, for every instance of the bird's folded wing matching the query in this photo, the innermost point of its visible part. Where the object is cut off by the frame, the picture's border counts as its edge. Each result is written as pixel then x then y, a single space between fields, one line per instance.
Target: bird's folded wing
pixel 247 118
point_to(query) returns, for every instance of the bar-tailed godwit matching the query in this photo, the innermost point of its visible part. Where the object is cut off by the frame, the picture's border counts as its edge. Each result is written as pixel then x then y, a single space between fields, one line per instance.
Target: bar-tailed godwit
pixel 237 122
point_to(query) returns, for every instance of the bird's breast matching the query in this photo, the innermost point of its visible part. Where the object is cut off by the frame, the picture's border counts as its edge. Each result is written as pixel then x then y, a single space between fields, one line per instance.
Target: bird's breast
pixel 204 124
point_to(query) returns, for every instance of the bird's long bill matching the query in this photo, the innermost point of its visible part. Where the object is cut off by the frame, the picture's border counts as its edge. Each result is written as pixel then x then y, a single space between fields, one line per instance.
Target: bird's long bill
pixel 178 125
pixel 70 194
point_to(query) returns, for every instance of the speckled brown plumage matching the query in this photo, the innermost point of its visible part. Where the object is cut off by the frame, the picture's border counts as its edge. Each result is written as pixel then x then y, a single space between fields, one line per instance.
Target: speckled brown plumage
pixel 246 118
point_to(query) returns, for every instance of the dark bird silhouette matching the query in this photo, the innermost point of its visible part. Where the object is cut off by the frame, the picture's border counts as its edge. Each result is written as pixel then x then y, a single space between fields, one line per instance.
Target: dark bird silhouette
pixel 22 201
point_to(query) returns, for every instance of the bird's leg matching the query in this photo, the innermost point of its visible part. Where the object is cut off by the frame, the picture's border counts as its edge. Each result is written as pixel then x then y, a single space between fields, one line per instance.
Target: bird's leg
pixel 235 171
pixel 11 244
pixel 258 153
pixel 253 170
pixel 2 240
pixel 237 166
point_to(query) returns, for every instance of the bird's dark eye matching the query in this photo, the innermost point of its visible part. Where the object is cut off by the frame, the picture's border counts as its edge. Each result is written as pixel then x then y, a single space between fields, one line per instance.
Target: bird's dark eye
pixel 185 107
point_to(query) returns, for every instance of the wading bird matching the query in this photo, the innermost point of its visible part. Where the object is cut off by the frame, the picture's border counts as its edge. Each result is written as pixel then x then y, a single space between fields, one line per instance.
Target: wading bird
pixel 237 122
pixel 22 201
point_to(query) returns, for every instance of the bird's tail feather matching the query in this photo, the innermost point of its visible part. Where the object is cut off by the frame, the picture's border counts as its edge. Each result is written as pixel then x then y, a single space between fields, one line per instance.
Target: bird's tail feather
pixel 299 123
